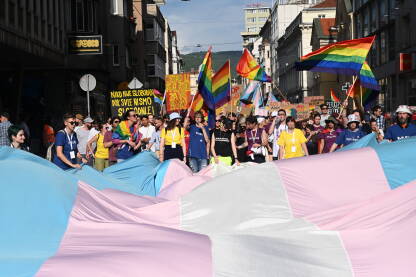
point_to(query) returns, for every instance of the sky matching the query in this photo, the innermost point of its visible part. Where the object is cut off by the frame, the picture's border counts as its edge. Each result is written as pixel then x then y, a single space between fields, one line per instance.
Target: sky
pixel 207 22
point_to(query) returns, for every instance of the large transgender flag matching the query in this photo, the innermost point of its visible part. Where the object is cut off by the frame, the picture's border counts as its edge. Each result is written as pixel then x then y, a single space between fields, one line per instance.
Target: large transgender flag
pixel 348 214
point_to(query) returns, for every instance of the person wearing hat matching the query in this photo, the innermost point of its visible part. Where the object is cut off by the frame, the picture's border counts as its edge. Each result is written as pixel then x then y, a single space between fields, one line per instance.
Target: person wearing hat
pixel 172 140
pixel 276 128
pixel 403 129
pixel 328 136
pixel 83 134
pixel 352 134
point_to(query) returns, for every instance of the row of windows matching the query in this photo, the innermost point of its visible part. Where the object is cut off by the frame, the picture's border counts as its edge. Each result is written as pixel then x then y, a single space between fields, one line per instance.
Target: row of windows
pixel 36 18
pixel 255 19
pixel 257 11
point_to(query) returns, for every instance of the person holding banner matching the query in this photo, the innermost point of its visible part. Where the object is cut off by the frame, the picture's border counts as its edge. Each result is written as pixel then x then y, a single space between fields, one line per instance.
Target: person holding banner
pixel 350 135
pixel 292 142
pixel 172 140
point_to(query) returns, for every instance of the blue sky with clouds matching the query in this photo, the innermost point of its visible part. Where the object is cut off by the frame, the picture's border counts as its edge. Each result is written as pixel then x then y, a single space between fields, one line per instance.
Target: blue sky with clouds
pixel 207 22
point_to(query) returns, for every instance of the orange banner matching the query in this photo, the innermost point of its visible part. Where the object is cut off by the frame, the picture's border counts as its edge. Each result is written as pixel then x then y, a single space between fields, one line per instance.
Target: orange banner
pixel 178 91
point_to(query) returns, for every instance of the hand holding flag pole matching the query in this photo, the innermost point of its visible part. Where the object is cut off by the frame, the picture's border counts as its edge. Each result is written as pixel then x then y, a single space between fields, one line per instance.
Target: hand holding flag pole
pixel 350 90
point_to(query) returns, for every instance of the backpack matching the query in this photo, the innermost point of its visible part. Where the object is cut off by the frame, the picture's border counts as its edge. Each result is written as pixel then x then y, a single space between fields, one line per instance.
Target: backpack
pixel 51 152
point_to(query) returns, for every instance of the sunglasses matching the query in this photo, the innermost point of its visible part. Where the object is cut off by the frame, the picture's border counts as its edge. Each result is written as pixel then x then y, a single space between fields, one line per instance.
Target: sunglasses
pixel 281 114
pixel 72 122
pixel 116 121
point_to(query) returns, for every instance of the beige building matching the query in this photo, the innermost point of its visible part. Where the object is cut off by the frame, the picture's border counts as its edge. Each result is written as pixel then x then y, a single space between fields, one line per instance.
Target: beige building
pixel 296 42
pixel 255 16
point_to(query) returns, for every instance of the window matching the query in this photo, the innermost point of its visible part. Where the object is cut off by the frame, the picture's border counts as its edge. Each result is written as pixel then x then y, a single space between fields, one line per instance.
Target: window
pixel 127 58
pixel 83 16
pixel 321 16
pixel 12 9
pixel 29 23
pixel 116 55
pixel 359 26
pixel 36 25
pixel 366 27
pixel 251 19
pixel 374 21
pixel 383 48
pixel 383 16
pixel 391 43
pixel 2 10
pixel 262 19
pixel 20 18
pixel 252 29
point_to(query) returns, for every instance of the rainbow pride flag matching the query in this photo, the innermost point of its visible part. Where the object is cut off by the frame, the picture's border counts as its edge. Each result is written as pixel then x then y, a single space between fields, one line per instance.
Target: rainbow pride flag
pixel 367 78
pixel 334 97
pixel 123 130
pixel 345 57
pixel 369 96
pixel 248 68
pixel 198 103
pixel 221 85
pixel 205 87
pixel 158 97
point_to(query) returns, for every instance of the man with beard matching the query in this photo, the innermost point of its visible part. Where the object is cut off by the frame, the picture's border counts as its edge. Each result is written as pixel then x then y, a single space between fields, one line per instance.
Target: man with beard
pixel 82 136
pixel 403 129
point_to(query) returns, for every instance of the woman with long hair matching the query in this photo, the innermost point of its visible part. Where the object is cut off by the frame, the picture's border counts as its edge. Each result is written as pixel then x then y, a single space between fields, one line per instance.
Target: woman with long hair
pixel 17 137
pixel 172 140
pixel 101 154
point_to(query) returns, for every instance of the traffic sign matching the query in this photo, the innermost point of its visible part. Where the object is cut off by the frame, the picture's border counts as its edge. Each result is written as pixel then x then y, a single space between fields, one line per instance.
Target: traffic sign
pixel 135 84
pixel 88 83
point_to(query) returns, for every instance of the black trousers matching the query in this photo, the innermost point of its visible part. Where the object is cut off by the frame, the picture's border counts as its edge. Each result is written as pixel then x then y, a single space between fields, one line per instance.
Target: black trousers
pixel 173 153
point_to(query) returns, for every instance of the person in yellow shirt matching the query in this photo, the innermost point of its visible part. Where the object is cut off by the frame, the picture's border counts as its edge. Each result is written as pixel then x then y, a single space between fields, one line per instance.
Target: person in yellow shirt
pixel 101 154
pixel 172 140
pixel 292 142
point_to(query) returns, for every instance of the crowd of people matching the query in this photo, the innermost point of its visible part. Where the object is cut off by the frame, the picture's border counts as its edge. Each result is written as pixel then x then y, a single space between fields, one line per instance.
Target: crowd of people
pixel 235 138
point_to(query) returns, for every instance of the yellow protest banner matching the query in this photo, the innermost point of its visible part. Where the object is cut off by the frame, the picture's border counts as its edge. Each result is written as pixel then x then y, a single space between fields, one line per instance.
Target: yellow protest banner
pixel 178 90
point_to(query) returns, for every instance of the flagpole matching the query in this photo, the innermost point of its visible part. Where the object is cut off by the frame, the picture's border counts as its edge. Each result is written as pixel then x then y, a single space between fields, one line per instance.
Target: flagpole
pixel 354 78
pixel 190 106
pixel 231 88
pixel 361 97
pixel 163 103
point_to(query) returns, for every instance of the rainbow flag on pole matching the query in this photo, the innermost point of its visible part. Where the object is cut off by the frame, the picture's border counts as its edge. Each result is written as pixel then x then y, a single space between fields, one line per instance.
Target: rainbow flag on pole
pixel 205 87
pixel 334 97
pixel 369 96
pixel 248 68
pixel 345 57
pixel 158 97
pixel 221 85
pixel 367 78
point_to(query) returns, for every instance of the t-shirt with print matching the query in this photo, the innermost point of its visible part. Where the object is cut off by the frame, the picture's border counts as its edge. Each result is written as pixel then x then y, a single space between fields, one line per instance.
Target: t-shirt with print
pixel 292 143
pixel 175 135
pixel 254 137
pixel 347 136
pixel 396 132
pixel 69 143
pixel 197 143
pixel 329 138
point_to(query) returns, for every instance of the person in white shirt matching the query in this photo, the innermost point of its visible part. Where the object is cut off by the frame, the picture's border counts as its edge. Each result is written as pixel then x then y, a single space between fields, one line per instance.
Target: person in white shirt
pixel 276 128
pixel 324 114
pixel 147 131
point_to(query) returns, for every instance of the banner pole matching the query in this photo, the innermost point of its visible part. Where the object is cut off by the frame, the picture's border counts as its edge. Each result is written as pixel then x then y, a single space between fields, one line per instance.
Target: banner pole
pixel 354 78
pixel 231 87
pixel 190 106
pixel 163 104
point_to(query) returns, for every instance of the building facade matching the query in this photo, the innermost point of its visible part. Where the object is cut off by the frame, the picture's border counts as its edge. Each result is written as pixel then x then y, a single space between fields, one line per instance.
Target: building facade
pixel 282 14
pixel 323 33
pixel 255 16
pixel 295 43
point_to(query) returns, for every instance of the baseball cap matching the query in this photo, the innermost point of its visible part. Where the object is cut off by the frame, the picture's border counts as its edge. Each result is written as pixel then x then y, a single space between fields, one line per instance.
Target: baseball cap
pixel 88 120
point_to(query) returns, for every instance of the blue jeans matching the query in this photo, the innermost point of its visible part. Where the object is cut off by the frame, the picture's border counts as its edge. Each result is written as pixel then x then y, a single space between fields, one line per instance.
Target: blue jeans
pixel 197 164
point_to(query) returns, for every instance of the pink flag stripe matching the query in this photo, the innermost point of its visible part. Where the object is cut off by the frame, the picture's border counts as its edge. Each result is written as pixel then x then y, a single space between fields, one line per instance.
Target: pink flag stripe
pixel 324 182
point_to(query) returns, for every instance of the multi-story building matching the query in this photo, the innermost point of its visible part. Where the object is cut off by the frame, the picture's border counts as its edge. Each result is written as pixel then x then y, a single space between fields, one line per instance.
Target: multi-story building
pixel 323 33
pixel 177 62
pixel 395 44
pixel 295 43
pixel 265 54
pixel 282 14
pixel 255 16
